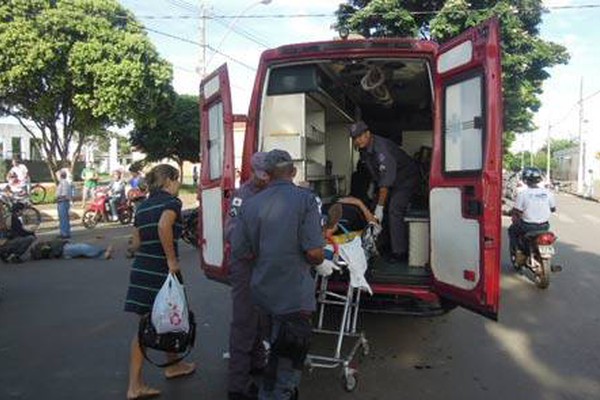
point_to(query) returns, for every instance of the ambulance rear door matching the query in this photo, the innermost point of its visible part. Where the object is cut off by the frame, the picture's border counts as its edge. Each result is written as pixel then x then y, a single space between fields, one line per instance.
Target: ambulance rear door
pixel 217 173
pixel 465 179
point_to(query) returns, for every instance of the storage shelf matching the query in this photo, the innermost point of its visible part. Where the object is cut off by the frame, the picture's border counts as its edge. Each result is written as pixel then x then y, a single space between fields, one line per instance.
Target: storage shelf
pixel 314 135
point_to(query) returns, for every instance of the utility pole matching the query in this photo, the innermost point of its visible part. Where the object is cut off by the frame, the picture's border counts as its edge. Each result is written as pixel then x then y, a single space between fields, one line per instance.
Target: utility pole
pixel 531 149
pixel 548 152
pixel 203 44
pixel 580 166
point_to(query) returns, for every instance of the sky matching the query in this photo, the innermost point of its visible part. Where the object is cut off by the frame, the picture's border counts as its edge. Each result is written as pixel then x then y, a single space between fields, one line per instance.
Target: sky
pixel 576 29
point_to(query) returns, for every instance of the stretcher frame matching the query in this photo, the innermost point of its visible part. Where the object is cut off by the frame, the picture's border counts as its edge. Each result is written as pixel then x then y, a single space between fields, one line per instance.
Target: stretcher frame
pixel 347 329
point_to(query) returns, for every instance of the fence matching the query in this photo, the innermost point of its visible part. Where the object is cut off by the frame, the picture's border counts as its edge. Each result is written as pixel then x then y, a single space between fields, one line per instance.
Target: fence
pixel 38 170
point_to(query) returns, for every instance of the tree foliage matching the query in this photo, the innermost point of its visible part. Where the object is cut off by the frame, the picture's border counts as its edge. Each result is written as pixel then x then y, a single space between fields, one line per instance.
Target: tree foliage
pixel 75 67
pixel 525 56
pixel 175 136
pixel 539 158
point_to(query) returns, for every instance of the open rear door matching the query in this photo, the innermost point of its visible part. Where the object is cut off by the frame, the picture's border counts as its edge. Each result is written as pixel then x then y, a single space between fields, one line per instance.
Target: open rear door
pixel 217 173
pixel 466 170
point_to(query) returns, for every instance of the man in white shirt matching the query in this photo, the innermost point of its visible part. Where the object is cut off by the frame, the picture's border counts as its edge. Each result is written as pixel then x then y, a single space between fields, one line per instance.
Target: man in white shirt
pixel 532 210
pixel 19 171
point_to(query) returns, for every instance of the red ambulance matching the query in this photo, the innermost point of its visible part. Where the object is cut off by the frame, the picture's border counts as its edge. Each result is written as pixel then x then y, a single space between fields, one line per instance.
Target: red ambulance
pixel 440 103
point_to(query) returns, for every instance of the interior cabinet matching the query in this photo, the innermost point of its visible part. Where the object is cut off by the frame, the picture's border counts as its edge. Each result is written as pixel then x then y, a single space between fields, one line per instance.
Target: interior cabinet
pixel 296 123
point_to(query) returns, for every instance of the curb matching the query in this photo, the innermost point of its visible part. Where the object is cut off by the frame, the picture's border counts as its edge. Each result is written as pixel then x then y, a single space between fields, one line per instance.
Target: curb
pixel 50 214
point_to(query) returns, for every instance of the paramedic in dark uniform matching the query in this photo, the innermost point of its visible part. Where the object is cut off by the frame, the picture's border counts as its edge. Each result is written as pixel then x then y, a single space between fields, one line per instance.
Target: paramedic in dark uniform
pixel 246 350
pixel 396 177
pixel 281 228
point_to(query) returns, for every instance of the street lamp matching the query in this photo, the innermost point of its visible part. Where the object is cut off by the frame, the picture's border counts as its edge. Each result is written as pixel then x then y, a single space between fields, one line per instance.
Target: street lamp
pixel 234 21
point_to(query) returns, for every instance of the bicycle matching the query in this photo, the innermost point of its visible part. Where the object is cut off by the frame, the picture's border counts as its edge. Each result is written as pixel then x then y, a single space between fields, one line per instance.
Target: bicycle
pixel 37 194
pixel 31 218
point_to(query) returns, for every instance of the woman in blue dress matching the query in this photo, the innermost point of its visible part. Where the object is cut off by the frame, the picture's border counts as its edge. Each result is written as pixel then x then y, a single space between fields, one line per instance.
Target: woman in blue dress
pixel 157 228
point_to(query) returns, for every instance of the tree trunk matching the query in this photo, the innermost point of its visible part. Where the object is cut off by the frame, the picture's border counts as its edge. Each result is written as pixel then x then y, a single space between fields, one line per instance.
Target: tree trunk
pixel 180 164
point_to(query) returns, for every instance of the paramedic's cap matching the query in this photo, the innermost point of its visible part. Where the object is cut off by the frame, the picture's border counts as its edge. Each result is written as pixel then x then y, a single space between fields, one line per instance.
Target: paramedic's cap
pixel 259 166
pixel 357 128
pixel 277 159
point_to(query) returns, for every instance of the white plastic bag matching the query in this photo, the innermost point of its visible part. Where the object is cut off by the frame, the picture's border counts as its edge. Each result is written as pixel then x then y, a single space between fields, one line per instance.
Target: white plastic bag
pixel 354 255
pixel 170 310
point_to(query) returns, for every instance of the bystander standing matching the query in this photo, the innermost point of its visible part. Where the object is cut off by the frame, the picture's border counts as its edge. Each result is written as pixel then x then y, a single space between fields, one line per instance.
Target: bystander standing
pixel 64 193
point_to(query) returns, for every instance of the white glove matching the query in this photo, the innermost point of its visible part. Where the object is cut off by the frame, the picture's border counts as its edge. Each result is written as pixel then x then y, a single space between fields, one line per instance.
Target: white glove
pixel 325 268
pixel 376 230
pixel 379 213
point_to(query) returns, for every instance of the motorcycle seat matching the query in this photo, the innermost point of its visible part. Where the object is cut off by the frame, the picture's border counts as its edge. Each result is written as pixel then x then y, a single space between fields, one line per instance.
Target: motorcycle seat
pixel 532 234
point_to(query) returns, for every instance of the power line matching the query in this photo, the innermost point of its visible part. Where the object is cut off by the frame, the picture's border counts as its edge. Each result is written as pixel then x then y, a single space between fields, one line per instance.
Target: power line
pixel 590 96
pixel 181 39
pixel 573 107
pixel 327 15
pixel 184 5
pixel 241 32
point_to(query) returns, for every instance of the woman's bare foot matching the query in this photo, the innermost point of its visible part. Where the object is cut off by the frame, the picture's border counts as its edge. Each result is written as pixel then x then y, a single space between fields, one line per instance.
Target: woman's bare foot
pixel 108 252
pixel 143 392
pixel 179 369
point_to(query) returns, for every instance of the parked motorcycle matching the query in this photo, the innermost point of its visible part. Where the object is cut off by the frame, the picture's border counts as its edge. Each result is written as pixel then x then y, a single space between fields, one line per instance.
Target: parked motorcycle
pixel 190 227
pixel 99 210
pixel 539 250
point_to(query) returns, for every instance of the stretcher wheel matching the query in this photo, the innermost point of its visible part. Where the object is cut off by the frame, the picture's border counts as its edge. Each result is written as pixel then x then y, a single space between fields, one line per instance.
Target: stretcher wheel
pixel 349 380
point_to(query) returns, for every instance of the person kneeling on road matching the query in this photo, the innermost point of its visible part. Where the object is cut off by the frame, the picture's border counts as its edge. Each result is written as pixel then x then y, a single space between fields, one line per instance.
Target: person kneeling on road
pixel 281 282
pixel 14 238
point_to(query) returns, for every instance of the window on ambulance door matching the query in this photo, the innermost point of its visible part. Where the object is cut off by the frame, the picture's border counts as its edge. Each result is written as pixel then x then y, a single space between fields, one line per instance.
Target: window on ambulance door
pixel 216 134
pixel 463 125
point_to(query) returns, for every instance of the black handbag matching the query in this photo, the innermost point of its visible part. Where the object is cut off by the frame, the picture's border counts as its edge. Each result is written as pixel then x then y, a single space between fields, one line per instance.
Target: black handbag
pixel 170 342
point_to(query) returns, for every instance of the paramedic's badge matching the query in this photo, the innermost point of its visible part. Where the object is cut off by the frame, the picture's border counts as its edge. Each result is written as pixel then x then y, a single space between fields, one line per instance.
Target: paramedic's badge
pixel 235 206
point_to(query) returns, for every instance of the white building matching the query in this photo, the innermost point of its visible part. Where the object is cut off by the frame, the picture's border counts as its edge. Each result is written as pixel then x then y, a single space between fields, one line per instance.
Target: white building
pixel 14 139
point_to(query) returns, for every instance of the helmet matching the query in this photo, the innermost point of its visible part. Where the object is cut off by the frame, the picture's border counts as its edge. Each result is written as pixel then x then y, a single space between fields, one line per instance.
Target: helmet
pixel 531 176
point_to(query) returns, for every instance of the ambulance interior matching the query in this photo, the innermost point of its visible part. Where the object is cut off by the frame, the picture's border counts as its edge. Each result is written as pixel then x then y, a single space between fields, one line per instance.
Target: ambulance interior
pixel 307 109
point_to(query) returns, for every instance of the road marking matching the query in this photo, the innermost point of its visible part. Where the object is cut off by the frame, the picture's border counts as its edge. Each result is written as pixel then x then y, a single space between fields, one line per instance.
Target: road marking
pixel 592 218
pixel 562 217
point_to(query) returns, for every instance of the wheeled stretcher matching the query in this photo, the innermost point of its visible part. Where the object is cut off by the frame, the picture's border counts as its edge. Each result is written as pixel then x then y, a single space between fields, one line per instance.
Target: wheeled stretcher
pixel 347 327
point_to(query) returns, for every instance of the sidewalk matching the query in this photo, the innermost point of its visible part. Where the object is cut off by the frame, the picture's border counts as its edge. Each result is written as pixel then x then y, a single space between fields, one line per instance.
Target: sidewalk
pixel 50 213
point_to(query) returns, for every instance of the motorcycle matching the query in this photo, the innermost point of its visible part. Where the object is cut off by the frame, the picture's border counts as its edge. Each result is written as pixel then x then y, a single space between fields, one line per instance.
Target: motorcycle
pixel 135 196
pixel 538 251
pixel 99 210
pixel 190 227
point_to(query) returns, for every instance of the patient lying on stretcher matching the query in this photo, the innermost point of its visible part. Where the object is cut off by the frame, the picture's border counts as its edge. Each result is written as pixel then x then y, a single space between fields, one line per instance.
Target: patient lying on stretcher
pixel 347 219
pixel 345 248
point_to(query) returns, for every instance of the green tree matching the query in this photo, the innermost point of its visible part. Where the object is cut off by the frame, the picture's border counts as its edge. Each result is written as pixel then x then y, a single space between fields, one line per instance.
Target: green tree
pixel 175 136
pixel 525 56
pixel 75 67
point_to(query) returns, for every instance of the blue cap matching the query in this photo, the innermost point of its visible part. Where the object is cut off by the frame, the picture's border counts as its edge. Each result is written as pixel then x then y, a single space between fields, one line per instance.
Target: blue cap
pixel 259 166
pixel 277 158
pixel 357 129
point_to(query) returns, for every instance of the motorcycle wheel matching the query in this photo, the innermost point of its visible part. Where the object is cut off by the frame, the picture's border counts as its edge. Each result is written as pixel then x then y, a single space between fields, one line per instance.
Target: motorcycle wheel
pixel 190 231
pixel 90 219
pixel 542 277
pixel 513 261
pixel 125 216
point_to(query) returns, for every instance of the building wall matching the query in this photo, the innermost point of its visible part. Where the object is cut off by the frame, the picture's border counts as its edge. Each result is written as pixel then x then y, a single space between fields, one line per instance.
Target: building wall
pixel 568 165
pixel 10 133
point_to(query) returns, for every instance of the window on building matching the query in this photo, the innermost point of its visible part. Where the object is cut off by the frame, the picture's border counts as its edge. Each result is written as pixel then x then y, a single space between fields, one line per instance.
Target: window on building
pixel 34 149
pixel 16 146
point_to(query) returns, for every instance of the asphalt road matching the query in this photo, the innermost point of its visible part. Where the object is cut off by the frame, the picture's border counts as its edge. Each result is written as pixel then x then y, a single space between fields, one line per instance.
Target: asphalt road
pixel 63 334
